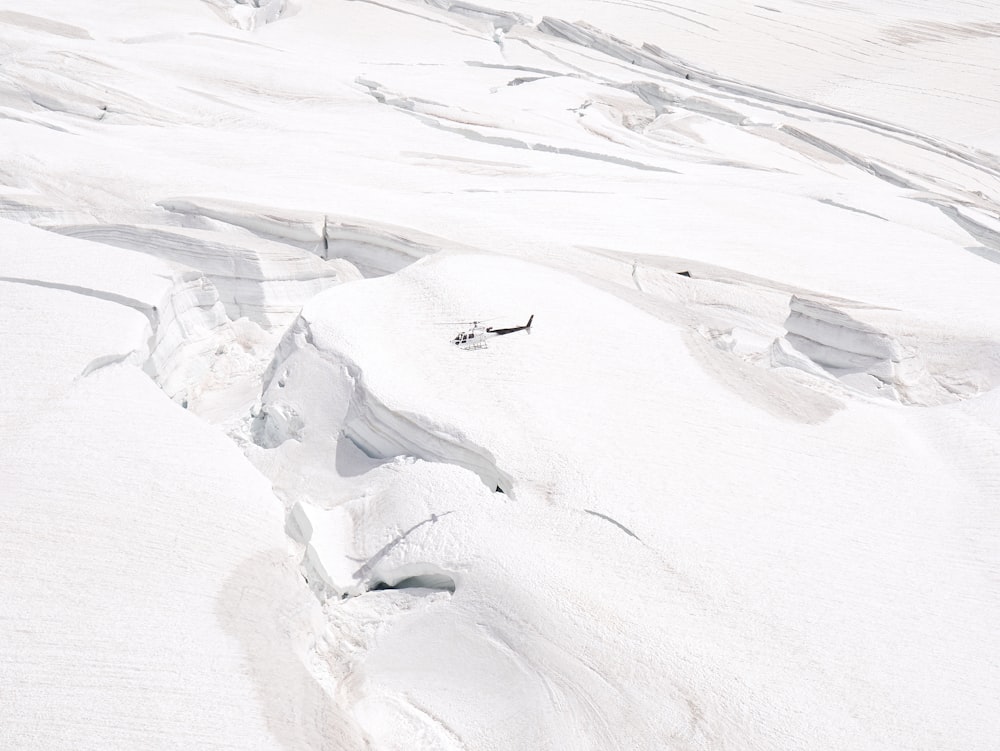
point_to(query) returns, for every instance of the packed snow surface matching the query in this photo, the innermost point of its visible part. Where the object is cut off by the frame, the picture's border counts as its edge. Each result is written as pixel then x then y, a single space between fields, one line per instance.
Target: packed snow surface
pixel 737 487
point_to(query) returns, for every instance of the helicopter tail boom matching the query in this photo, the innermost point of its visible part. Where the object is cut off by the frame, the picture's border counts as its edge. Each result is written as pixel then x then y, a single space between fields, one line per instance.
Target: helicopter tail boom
pixel 512 329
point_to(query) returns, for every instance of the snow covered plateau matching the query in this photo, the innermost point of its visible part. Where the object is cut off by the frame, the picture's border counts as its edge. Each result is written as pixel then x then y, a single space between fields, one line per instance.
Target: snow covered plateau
pixel 737 487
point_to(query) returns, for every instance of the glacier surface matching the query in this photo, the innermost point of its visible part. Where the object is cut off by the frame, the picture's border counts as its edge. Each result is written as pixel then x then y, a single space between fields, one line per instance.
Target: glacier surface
pixel 737 488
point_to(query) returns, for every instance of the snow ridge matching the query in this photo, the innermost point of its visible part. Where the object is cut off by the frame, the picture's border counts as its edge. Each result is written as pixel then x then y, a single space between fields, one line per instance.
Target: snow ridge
pixel 359 415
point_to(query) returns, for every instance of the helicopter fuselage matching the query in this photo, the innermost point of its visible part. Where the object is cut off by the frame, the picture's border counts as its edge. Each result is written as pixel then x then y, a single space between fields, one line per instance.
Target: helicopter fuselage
pixel 476 336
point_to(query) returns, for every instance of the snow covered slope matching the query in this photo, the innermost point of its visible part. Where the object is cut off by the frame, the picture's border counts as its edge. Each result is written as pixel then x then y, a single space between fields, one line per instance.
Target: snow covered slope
pixel 736 488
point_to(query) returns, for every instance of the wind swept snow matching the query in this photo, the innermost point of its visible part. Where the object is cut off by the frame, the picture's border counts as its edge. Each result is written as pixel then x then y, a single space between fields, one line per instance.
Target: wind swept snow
pixel 735 488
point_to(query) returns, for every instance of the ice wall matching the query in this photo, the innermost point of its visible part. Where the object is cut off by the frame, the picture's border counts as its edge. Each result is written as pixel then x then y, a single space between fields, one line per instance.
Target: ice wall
pixel 262 280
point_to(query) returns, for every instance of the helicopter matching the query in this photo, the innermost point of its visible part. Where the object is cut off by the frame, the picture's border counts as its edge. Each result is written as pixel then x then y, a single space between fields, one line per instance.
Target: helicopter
pixel 476 335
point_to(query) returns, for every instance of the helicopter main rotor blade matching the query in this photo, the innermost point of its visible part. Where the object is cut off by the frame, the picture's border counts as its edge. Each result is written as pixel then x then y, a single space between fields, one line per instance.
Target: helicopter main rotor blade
pixel 464 323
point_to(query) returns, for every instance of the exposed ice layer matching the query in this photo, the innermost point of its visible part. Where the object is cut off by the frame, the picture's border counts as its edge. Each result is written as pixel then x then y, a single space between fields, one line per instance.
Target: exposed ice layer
pixel 383 433
pixel 376 248
pixel 500 19
pixel 984 228
pixel 664 100
pixel 265 281
pixel 836 341
pixel 349 408
pixel 783 355
pixel 301 227
pixel 823 340
pixel 249 14
pixel 861 356
pixel 189 326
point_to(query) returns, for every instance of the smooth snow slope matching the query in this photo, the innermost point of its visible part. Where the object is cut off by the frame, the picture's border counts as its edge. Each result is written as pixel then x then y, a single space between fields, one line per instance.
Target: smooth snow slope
pixel 253 497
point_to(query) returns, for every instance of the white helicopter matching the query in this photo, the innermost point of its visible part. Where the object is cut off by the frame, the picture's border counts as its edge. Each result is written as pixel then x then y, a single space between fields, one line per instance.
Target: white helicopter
pixel 476 335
